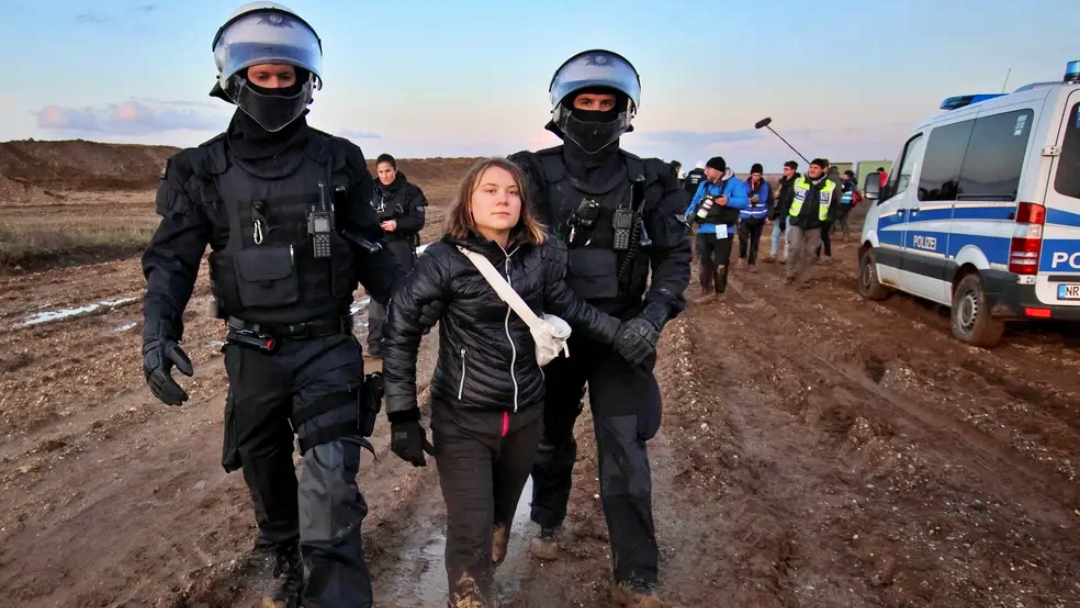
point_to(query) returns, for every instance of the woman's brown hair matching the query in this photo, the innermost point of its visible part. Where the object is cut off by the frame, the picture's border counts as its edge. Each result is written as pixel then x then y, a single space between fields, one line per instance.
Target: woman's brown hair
pixel 460 220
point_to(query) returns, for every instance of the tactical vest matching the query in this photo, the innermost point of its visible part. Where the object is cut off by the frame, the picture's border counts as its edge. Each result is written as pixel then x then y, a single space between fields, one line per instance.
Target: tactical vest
pixel 268 273
pixel 384 207
pixel 802 189
pixel 593 263
pixel 695 177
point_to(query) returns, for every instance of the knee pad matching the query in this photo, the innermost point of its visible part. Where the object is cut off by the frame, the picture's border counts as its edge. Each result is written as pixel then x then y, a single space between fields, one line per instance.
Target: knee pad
pixel 329 417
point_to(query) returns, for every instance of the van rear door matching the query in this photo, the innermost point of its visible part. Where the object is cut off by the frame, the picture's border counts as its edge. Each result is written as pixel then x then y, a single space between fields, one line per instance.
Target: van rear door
pixel 1058 281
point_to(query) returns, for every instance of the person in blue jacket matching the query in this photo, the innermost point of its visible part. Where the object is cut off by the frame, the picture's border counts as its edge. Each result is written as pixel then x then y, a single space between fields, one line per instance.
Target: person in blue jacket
pixel 715 207
pixel 752 218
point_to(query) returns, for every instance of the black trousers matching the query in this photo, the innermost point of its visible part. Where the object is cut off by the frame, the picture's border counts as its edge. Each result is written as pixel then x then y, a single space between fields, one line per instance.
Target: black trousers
pixel 406 256
pixel 324 510
pixel 826 242
pixel 481 476
pixel 714 259
pixel 626 413
pixel 749 239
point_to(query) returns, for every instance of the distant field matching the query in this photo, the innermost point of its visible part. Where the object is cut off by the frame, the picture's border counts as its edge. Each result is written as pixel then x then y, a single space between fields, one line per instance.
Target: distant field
pixel 85 227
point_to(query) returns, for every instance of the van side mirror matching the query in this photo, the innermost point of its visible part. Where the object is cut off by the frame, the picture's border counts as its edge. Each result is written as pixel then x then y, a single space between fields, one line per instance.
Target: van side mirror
pixel 872 186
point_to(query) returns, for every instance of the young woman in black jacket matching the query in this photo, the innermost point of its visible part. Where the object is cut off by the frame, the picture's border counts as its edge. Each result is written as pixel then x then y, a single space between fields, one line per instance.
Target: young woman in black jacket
pixel 488 389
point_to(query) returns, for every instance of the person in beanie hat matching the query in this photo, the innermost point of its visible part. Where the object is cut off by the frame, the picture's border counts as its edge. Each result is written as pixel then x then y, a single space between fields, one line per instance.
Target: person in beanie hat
pixel 752 219
pixel 815 203
pixel 715 208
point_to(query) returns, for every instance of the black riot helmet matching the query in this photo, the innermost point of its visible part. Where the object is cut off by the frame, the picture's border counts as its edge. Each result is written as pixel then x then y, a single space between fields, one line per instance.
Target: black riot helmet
pixel 267 33
pixel 599 71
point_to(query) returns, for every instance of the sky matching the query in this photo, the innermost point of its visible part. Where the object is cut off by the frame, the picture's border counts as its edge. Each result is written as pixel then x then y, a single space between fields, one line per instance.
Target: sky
pixel 469 77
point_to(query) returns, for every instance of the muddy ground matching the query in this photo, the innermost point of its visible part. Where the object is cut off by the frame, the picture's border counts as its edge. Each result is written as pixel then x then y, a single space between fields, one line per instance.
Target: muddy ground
pixel 817 450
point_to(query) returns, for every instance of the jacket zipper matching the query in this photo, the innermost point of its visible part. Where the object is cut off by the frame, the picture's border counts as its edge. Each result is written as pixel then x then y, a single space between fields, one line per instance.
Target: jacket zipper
pixel 513 349
pixel 461 384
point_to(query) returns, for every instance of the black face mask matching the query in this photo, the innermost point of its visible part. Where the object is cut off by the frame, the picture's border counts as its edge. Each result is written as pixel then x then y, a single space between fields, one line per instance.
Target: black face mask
pixel 593 130
pixel 272 109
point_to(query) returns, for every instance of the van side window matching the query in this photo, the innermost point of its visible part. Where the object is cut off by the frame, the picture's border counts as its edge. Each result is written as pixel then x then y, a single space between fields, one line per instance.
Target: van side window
pixel 979 159
pixel 995 157
pixel 901 178
pixel 940 178
pixel 1067 181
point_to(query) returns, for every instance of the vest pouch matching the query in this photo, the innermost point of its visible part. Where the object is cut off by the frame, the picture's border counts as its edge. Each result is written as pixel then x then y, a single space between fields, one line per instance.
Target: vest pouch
pixel 266 277
pixel 593 273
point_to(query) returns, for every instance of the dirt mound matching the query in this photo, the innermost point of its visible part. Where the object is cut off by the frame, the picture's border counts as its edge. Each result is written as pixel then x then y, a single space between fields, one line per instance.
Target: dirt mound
pixel 15 191
pixel 83 165
pixel 30 171
pixel 430 170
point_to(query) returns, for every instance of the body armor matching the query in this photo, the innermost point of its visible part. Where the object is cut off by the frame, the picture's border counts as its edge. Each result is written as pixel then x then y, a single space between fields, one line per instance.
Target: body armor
pixel 269 271
pixel 597 255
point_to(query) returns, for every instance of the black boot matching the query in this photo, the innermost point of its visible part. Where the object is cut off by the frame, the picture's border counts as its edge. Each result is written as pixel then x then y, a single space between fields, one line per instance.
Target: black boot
pixel 289 572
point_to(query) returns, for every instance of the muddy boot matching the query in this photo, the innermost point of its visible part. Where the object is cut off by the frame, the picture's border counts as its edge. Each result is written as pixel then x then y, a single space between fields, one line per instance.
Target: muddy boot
pixel 289 572
pixel 636 594
pixel 768 259
pixel 546 546
pixel 499 539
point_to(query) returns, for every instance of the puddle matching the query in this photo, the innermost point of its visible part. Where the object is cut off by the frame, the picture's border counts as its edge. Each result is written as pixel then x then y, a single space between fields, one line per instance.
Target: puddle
pixel 425 550
pixel 51 316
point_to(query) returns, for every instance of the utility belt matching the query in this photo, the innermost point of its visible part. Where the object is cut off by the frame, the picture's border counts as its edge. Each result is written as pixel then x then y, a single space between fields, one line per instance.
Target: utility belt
pixel 265 337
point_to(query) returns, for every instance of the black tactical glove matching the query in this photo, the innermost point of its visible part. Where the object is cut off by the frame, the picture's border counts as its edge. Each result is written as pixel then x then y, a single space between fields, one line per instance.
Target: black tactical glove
pixel 407 438
pixel 636 341
pixel 783 224
pixel 160 353
pixel 637 338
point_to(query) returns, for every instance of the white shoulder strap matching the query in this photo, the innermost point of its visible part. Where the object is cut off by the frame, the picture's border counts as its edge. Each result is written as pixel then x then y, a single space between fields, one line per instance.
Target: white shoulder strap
pixel 501 287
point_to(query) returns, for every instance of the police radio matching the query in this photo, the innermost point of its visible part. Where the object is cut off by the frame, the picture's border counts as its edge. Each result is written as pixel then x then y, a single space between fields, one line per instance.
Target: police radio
pixel 584 217
pixel 321 224
pixel 623 223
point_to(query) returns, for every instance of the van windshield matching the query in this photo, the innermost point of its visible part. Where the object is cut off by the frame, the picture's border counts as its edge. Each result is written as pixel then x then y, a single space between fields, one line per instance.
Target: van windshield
pixel 1067 181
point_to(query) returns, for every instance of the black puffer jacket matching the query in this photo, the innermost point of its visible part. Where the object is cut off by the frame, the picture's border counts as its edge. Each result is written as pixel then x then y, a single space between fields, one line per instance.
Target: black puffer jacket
pixel 487 358
pixel 403 202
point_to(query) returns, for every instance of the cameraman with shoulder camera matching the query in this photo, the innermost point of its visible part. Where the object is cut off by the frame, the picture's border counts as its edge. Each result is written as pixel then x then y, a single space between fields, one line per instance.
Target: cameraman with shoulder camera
pixel 715 207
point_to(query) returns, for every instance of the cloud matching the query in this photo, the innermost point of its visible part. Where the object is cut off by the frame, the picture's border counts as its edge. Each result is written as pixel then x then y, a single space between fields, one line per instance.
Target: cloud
pixel 137 117
pixel 354 134
pixel 92 17
pixel 101 18
pixel 696 139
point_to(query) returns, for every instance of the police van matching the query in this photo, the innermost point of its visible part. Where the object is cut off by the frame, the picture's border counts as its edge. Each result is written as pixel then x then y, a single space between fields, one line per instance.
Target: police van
pixel 982 211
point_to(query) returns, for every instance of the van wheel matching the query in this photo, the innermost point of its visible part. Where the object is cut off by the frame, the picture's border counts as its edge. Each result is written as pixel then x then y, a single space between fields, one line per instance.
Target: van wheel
pixel 869 286
pixel 970 315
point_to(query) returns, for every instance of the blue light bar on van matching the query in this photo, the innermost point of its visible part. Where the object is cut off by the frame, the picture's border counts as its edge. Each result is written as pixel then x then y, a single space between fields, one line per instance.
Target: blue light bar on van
pixel 960 101
pixel 1072 71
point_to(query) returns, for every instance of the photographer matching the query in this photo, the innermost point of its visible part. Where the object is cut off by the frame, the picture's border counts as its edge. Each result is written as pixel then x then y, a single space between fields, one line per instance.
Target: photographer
pixel 715 207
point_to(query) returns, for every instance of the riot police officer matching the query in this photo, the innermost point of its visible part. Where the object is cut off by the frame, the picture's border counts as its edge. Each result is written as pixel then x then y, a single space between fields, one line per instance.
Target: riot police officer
pixel 400 206
pixel 285 209
pixel 618 214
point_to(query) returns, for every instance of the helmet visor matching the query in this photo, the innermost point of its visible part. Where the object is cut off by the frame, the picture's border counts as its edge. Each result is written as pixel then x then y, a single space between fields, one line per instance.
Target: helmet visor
pixel 596 69
pixel 267 37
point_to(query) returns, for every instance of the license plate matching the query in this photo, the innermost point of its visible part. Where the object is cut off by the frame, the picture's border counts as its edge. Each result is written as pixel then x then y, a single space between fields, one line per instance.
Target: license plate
pixel 1069 291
